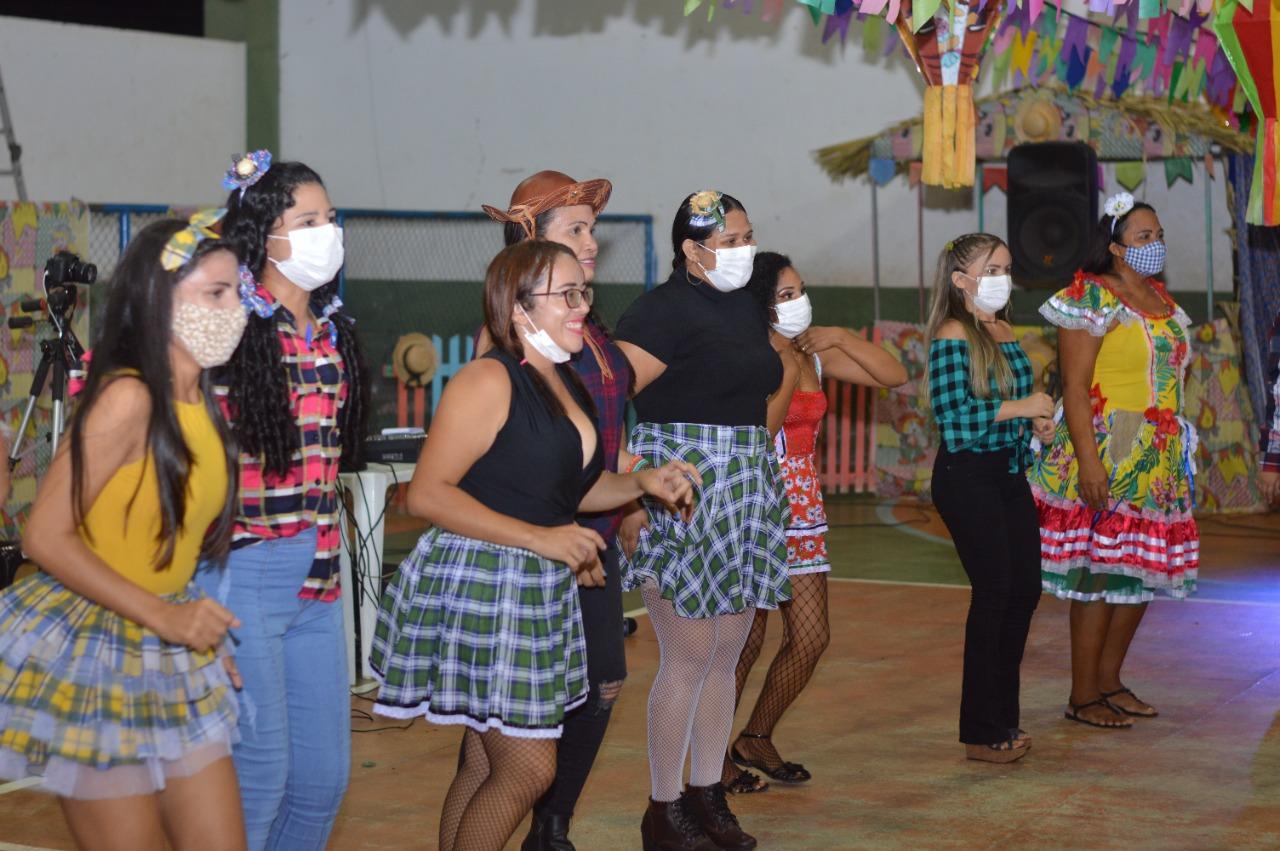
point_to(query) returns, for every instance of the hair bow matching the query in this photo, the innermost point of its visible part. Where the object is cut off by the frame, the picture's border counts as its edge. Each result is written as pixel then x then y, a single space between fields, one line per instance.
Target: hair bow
pixel 246 170
pixel 250 297
pixel 1116 206
pixel 706 208
pixel 181 247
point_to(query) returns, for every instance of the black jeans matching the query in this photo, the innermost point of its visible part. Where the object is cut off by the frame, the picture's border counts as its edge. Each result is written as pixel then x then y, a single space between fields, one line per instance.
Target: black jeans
pixel 993 521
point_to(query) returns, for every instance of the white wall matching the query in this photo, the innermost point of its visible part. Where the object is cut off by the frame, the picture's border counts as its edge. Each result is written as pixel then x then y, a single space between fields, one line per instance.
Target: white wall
pixel 117 116
pixel 448 104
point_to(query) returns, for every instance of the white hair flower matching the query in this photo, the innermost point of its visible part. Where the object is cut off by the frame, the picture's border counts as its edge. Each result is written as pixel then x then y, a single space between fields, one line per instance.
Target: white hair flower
pixel 1117 205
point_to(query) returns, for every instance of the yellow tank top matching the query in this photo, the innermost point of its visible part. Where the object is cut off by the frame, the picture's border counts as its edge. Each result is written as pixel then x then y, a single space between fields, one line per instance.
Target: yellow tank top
pixel 1140 362
pixel 124 534
pixel 1142 356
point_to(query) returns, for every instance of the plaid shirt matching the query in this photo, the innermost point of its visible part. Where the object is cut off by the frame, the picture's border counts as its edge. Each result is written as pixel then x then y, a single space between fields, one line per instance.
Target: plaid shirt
pixel 1270 444
pixel 966 422
pixel 610 396
pixel 273 507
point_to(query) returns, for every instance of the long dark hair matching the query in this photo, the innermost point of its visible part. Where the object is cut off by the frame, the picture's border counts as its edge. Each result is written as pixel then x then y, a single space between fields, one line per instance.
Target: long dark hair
pixel 256 374
pixel 682 227
pixel 511 279
pixel 1100 260
pixel 765 271
pixel 134 337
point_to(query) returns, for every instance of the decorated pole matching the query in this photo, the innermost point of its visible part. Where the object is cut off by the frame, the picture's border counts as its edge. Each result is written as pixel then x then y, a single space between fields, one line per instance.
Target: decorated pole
pixel 946 43
pixel 1250 38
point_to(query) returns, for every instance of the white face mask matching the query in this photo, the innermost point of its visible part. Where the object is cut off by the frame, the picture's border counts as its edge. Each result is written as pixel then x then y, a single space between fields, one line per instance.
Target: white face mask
pixel 210 334
pixel 317 256
pixel 542 343
pixel 733 267
pixel 993 292
pixel 794 316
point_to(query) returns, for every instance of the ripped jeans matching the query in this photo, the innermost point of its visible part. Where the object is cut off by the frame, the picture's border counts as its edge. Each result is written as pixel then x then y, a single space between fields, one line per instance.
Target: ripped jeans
pixel 294 754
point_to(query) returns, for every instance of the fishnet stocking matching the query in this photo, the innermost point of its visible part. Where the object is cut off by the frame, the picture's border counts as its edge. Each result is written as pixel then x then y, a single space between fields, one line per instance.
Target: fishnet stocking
pixel 691 703
pixel 473 768
pixel 517 772
pixel 805 635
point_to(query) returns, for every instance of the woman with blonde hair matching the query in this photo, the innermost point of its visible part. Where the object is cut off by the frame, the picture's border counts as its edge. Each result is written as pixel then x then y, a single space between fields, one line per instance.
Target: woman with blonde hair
pixel 980 387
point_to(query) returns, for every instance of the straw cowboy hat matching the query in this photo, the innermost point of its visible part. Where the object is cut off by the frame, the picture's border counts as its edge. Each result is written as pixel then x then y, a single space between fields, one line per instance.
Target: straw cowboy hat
pixel 414 360
pixel 548 190
pixel 1037 119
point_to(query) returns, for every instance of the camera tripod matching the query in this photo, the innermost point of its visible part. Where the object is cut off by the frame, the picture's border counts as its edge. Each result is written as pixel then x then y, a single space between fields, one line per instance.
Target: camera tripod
pixel 60 355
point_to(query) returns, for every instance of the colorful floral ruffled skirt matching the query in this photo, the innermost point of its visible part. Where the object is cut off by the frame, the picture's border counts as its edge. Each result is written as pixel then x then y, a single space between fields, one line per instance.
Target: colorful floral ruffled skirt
pixel 1145 541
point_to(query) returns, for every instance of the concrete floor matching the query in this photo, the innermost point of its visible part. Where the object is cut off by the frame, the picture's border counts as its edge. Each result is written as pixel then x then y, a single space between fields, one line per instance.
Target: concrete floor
pixel 877 726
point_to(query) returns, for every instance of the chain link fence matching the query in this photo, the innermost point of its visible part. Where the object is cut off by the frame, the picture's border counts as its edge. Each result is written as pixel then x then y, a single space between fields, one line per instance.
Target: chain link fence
pixel 424 272
pixel 406 246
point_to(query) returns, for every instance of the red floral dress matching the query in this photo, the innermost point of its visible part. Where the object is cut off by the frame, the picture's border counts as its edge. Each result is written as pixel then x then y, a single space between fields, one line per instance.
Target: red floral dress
pixel 796 445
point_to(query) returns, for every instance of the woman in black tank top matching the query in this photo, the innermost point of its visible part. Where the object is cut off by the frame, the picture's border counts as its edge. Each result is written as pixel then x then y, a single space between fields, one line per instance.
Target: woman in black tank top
pixel 481 626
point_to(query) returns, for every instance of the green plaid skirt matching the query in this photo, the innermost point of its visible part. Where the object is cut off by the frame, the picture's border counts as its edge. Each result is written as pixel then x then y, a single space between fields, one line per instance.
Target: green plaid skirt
pixel 98 705
pixel 479 634
pixel 732 554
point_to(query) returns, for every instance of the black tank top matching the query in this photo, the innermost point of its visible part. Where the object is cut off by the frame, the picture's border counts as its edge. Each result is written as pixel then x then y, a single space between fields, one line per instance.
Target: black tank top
pixel 534 471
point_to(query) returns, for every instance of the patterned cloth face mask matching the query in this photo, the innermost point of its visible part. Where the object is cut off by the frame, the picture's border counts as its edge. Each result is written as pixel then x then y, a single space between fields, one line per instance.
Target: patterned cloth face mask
pixel 210 334
pixel 1146 259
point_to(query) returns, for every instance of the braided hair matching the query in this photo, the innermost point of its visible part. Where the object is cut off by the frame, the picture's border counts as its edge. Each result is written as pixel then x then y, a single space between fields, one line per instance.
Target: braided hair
pixel 259 396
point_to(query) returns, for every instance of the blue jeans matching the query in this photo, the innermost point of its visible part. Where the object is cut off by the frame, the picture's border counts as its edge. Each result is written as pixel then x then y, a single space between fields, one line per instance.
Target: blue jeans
pixel 294 755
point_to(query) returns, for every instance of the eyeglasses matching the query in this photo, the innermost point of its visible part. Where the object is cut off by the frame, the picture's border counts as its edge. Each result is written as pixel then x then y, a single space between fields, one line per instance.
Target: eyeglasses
pixel 573 298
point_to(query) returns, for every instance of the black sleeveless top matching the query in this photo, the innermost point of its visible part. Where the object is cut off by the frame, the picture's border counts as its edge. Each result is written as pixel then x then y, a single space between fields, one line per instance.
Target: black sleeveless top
pixel 534 470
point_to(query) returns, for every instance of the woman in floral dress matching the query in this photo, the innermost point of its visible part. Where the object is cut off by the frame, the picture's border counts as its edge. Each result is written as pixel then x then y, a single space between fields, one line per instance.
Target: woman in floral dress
pixel 795 412
pixel 1114 489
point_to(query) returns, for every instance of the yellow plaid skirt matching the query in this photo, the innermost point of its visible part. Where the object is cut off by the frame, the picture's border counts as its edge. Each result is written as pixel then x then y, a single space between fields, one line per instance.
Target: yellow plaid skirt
pixel 99 706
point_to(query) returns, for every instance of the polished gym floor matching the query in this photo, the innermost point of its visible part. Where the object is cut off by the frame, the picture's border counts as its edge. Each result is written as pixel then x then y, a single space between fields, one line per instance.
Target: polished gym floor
pixel 877 726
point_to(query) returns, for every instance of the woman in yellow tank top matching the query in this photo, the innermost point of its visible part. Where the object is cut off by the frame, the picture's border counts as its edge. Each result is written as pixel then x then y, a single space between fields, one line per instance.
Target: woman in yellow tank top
pixel 1114 488
pixel 116 686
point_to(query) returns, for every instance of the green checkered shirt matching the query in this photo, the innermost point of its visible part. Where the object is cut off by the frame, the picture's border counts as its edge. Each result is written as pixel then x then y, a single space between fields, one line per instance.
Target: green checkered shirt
pixel 967 423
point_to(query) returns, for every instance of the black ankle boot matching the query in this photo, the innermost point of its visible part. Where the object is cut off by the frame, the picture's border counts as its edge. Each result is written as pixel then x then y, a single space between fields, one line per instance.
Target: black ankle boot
pixel 548 833
pixel 710 809
pixel 669 827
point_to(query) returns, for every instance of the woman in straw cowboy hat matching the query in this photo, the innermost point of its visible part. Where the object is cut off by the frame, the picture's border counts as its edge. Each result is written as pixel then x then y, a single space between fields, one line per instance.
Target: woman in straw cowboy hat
pixel 553 206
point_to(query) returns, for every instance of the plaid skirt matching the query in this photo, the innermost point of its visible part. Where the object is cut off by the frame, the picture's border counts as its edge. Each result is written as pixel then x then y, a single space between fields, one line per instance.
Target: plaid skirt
pixel 100 706
pixel 479 634
pixel 732 555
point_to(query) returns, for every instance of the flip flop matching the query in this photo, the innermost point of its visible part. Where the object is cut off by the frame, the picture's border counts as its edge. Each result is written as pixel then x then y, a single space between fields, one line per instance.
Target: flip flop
pixel 1074 714
pixel 1109 694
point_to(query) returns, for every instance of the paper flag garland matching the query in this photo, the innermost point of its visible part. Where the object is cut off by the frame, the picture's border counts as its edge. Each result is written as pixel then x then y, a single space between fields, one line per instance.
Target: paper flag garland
pixel 1131 174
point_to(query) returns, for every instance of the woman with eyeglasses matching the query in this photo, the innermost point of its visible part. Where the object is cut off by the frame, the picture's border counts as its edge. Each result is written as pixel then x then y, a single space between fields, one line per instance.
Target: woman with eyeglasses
pixel 481 625
pixel 553 206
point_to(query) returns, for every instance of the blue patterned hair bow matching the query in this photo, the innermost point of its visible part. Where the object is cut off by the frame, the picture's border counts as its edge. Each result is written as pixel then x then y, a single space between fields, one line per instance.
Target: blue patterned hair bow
pixel 249 297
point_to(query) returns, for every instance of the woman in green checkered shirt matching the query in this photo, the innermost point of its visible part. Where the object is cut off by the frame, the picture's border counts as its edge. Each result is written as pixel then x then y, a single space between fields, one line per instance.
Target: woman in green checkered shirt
pixel 980 387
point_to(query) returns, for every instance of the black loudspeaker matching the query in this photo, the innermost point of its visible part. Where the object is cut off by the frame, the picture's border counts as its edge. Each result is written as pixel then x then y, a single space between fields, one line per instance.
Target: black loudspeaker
pixel 1053 209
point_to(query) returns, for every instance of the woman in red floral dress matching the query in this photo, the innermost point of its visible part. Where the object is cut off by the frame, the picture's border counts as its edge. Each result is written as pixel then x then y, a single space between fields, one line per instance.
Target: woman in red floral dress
pixel 795 412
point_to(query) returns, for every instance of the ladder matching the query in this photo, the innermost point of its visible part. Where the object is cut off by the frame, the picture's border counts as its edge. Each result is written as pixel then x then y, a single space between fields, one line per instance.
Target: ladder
pixel 15 150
